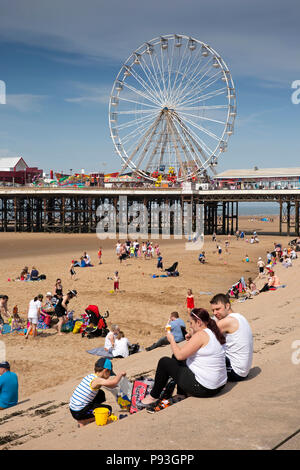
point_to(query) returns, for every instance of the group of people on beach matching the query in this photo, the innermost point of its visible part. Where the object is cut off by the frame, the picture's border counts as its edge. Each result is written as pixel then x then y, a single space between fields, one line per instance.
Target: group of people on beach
pixel 218 349
pixel 135 249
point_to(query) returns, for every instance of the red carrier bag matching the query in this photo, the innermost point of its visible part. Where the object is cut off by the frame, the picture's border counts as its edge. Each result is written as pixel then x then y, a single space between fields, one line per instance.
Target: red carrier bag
pixel 141 388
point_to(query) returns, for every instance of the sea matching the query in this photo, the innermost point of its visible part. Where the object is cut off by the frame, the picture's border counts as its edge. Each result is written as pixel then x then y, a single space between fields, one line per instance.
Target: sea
pixel 259 208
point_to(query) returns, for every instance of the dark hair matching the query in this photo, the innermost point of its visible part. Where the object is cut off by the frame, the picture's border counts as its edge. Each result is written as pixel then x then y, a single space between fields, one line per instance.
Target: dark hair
pixel 174 314
pixel 222 298
pixel 203 315
pixel 40 296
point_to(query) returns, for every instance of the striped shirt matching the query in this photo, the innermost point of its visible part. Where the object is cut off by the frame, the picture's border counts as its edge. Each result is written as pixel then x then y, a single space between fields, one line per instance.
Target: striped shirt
pixel 83 394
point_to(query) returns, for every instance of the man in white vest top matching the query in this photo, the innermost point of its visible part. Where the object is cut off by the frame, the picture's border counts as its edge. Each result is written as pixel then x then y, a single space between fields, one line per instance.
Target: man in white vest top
pixel 239 338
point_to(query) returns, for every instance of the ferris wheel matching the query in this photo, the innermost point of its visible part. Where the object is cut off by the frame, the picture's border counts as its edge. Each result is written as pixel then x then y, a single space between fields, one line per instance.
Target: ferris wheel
pixel 172 109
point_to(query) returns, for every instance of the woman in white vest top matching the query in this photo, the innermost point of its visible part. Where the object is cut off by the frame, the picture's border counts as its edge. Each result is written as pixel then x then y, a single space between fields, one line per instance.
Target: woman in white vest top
pixel 198 367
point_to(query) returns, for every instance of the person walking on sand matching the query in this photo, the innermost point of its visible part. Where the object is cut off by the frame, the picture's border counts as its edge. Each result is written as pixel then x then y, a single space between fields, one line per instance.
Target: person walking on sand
pixel 61 309
pixel 190 304
pixel 34 312
pixel 239 338
pixel 72 270
pixel 116 281
pixel 261 267
pixel 100 255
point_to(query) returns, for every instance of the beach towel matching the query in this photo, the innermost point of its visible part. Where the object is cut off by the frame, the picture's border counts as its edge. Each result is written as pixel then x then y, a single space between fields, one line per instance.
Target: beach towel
pixel 100 352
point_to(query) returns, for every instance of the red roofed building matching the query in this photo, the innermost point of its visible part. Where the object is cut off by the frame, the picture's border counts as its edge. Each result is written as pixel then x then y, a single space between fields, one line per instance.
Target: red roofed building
pixel 16 170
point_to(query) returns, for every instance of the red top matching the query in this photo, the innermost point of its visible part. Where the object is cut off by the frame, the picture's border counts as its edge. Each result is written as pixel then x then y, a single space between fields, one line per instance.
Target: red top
pixel 190 302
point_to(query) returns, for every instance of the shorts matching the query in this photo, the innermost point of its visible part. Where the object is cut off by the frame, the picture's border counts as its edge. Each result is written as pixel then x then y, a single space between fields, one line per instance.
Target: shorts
pixel 261 269
pixel 116 285
pixel 87 411
pixel 33 320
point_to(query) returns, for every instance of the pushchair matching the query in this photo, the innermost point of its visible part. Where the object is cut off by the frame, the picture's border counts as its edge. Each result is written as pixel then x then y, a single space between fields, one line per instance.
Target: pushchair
pixel 172 271
pixel 96 325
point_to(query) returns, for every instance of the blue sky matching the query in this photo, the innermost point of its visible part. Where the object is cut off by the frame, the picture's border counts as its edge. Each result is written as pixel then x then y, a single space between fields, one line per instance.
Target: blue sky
pixel 59 60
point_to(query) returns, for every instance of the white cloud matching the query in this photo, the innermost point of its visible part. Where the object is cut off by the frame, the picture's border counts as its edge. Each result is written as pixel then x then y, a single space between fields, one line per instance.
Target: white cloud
pixel 25 102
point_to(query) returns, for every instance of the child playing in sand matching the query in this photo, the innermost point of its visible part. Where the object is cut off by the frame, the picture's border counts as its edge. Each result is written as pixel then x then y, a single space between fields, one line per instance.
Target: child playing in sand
pixel 16 321
pixel 159 262
pixel 116 281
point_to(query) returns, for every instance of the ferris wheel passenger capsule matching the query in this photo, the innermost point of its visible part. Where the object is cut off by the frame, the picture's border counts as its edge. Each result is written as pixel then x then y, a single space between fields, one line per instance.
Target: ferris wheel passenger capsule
pixel 149 49
pixel 164 43
pixel 192 44
pixel 216 63
pixel 119 86
pixel 137 58
pixel 226 75
pixel 229 129
pixel 113 117
pixel 204 51
pixel 178 41
pixel 232 110
pixel 223 146
pixel 231 93
pixel 114 101
pixel 127 71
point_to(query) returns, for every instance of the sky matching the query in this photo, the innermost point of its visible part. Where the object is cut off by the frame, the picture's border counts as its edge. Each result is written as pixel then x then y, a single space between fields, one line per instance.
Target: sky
pixel 59 60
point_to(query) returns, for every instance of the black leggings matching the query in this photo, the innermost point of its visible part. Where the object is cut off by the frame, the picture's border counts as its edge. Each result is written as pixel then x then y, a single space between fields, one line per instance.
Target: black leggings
pixel 87 411
pixel 183 376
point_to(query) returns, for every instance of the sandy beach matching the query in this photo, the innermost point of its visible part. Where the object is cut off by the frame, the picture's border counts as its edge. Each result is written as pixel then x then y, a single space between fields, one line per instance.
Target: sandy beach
pixel 50 366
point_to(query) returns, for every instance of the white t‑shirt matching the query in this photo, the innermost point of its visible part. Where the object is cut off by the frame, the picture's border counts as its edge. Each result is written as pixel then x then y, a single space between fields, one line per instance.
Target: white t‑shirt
pixel 121 348
pixel 34 308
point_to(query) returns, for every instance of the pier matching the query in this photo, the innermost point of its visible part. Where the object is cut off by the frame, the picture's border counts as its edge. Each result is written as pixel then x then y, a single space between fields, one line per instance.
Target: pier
pixel 73 210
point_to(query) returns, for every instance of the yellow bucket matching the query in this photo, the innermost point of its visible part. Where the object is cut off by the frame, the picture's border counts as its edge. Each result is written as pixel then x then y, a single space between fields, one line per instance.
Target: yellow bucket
pixel 101 416
pixel 77 327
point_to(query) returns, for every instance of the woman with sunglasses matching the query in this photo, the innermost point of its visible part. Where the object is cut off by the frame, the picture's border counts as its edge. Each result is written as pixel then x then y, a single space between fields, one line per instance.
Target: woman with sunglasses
pixel 198 367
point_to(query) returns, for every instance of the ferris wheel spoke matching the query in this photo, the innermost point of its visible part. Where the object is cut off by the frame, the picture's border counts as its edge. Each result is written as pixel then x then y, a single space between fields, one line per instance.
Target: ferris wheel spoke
pixel 191 141
pixel 206 97
pixel 156 77
pixel 154 152
pixel 138 111
pixel 203 118
pixel 199 87
pixel 152 79
pixel 161 75
pixel 178 69
pixel 199 108
pixel 137 102
pixel 203 129
pixel 148 143
pixel 144 84
pixel 135 121
pixel 195 78
pixel 142 94
pixel 151 131
pixel 141 128
pixel 183 143
pixel 197 139
pixel 196 90
pixel 171 131
pixel 181 85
